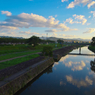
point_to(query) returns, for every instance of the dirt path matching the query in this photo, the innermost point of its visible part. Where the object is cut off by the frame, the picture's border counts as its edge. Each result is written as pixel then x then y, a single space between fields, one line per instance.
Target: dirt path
pixel 18 57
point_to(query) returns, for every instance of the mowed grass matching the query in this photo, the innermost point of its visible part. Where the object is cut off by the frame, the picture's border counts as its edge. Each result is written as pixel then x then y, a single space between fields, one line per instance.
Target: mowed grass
pixel 8 56
pixel 6 49
pixel 17 61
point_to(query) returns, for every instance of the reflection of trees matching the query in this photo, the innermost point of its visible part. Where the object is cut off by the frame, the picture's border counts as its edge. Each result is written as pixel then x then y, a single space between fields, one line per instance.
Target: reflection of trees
pixel 92 63
pixel 49 70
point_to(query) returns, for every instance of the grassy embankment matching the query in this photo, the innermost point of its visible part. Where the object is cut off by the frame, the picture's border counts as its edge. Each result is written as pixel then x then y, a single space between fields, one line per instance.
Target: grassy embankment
pixel 17 61
pixel 92 48
pixel 22 50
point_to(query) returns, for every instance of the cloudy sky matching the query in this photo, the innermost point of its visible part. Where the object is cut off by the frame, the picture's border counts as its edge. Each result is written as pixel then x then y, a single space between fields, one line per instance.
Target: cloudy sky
pixel 57 18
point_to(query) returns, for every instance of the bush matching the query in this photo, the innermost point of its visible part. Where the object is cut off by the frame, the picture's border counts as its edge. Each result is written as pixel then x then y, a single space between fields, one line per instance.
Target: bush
pixel 47 50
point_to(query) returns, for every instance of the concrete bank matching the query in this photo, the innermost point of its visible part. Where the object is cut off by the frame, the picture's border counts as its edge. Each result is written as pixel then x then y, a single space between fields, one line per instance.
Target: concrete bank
pixel 14 83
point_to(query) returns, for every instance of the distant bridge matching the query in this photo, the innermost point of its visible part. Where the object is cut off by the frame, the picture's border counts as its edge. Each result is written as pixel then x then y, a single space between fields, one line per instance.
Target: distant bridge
pixel 81 54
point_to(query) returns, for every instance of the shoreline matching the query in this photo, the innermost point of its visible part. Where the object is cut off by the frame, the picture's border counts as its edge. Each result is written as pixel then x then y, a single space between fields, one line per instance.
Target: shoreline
pixel 15 82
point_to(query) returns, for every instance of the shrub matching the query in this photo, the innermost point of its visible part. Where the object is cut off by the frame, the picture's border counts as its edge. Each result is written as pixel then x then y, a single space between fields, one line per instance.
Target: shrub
pixel 47 50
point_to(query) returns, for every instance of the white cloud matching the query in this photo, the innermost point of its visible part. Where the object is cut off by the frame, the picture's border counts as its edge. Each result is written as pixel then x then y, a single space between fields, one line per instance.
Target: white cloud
pixel 88 23
pixel 77 2
pixel 91 30
pixel 93 12
pixel 70 20
pixel 32 20
pixel 53 30
pixel 81 18
pixel 80 83
pixel 89 17
pixel 91 4
pixel 63 0
pixel 78 18
pixel 7 13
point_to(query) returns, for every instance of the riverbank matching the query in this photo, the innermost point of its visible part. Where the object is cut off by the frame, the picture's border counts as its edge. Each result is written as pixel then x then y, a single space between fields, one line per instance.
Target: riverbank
pixel 16 78
pixel 92 48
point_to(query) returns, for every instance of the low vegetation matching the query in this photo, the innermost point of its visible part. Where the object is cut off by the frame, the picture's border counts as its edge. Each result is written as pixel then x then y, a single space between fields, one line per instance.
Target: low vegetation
pixel 17 61
pixel 8 56
pixel 47 50
pixel 92 46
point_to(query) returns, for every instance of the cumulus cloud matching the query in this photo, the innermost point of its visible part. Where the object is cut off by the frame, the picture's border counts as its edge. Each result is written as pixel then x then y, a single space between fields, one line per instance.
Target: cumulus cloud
pixel 63 0
pixel 77 2
pixel 7 13
pixel 91 30
pixel 70 20
pixel 93 12
pixel 81 18
pixel 91 4
pixel 32 20
pixel 78 18
pixel 79 83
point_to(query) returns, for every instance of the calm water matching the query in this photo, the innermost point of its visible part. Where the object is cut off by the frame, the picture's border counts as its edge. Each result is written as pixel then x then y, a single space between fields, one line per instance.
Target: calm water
pixel 70 76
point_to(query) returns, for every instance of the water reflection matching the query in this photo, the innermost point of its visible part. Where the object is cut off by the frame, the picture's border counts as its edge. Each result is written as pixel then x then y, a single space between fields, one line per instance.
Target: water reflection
pixel 74 65
pixel 79 83
pixel 72 75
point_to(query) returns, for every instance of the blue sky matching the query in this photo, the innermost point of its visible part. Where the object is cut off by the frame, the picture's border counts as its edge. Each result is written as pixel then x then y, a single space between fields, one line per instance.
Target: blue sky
pixel 58 18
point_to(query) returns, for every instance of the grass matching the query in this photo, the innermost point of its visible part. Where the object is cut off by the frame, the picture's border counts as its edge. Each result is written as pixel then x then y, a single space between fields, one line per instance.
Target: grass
pixel 92 48
pixel 17 61
pixel 6 49
pixel 8 56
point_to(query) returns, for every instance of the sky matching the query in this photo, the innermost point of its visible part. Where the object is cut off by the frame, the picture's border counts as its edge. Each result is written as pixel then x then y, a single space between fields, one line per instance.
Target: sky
pixel 51 18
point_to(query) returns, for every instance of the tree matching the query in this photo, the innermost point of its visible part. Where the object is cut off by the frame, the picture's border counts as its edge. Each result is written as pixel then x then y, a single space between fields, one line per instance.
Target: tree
pixel 47 50
pixel 93 41
pixel 33 40
pixel 60 41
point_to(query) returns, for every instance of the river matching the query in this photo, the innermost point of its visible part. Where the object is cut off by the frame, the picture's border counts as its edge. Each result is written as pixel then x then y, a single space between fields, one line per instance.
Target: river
pixel 72 75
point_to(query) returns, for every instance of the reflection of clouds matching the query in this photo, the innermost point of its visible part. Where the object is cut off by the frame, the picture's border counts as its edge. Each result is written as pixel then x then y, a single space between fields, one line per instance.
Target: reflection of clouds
pixel 75 65
pixel 62 83
pixel 87 61
pixel 79 67
pixel 56 63
pixel 69 64
pixel 87 68
pixel 92 73
pixel 80 83
pixel 64 58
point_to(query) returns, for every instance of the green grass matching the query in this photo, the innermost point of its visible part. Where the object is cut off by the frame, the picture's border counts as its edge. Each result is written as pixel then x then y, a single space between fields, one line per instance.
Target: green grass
pixel 16 61
pixel 92 48
pixel 8 56
pixel 17 48
pixel 6 49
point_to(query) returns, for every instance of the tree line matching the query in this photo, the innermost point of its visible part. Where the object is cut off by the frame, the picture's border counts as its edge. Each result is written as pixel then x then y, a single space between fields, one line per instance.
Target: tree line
pixel 32 40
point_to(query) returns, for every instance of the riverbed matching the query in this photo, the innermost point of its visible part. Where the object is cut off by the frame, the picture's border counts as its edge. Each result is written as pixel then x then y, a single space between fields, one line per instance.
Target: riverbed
pixel 71 75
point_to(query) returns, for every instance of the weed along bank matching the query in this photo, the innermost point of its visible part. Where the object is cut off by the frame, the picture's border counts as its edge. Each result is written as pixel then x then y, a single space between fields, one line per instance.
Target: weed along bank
pixel 10 84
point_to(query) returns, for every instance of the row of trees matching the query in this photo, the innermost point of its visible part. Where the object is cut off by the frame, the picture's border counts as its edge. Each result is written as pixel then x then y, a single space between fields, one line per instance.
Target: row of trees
pixel 32 40
pixel 12 40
